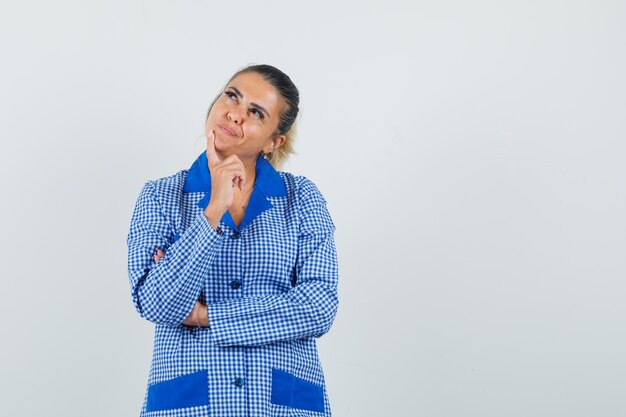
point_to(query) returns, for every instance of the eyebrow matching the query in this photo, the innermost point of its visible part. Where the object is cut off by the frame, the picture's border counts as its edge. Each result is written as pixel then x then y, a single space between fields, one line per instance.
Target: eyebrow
pixel 256 106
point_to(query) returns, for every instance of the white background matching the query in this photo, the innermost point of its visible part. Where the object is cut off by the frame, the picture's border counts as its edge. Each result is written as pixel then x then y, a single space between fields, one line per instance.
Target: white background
pixel 472 155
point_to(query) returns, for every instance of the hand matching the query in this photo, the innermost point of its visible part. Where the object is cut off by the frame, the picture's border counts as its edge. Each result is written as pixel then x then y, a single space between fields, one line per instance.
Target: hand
pixel 198 316
pixel 225 175
pixel 158 255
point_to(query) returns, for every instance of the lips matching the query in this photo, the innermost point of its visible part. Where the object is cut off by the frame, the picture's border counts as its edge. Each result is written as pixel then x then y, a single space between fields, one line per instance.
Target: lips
pixel 228 131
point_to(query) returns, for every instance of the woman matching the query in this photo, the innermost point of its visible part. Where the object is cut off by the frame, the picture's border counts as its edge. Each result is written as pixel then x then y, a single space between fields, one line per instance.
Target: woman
pixel 235 263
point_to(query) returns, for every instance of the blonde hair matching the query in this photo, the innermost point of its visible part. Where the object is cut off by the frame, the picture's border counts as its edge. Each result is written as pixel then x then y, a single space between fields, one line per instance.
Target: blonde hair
pixel 278 156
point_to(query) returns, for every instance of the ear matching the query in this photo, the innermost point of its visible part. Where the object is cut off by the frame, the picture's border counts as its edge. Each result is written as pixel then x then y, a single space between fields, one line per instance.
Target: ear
pixel 274 143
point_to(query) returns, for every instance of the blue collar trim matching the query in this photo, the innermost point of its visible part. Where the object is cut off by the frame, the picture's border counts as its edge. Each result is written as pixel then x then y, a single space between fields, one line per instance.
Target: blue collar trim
pixel 268 183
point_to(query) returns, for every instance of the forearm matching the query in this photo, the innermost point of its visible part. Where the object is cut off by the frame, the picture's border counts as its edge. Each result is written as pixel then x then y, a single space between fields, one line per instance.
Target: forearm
pixel 214 215
pixel 166 291
pixel 306 311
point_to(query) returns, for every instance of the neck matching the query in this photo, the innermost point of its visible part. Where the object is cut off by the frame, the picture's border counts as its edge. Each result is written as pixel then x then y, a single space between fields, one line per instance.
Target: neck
pixel 250 167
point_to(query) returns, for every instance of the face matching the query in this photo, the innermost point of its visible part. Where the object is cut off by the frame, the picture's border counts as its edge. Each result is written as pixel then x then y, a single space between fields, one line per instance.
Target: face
pixel 245 118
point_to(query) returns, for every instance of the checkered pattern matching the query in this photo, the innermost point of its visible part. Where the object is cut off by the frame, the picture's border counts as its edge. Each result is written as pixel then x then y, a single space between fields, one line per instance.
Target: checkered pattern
pixel 270 288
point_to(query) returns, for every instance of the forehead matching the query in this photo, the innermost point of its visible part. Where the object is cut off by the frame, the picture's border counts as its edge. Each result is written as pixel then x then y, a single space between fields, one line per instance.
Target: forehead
pixel 256 90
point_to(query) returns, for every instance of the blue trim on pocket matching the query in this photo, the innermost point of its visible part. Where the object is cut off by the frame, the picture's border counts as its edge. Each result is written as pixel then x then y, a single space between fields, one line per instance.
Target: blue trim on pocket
pixel 289 390
pixel 189 390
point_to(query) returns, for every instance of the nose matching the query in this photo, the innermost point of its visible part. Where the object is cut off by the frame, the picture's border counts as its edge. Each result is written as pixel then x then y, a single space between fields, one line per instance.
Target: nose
pixel 234 115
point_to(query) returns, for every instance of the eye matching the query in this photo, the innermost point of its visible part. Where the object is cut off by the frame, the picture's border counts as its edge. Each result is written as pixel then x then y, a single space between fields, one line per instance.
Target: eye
pixel 258 113
pixel 230 94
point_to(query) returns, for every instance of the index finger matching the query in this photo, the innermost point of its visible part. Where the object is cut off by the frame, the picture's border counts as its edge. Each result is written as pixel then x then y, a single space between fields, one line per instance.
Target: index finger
pixel 211 153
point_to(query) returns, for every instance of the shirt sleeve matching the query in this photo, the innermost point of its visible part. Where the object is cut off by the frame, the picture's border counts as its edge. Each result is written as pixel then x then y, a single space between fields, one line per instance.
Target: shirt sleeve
pixel 307 310
pixel 165 292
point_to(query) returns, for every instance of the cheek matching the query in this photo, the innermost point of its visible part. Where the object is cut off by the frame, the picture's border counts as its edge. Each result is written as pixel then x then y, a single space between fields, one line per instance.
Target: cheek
pixel 213 117
pixel 218 108
pixel 207 124
pixel 257 131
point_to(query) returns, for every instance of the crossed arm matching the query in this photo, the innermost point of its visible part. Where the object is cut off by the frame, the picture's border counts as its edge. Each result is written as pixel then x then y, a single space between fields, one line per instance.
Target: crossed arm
pixel 165 285
pixel 199 315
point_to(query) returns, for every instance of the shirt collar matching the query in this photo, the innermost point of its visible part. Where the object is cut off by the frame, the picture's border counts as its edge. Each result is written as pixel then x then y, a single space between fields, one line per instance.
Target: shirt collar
pixel 268 182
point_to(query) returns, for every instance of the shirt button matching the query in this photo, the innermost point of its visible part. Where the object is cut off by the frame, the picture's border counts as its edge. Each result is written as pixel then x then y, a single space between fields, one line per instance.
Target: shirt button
pixel 239 382
pixel 219 230
pixel 234 284
pixel 235 235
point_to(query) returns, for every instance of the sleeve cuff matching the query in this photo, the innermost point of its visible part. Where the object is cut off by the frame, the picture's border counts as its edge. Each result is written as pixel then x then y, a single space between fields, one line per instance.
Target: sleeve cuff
pixel 207 232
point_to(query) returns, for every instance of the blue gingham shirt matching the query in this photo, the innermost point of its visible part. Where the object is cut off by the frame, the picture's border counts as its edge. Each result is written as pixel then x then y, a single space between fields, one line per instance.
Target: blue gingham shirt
pixel 270 286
